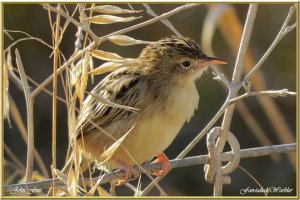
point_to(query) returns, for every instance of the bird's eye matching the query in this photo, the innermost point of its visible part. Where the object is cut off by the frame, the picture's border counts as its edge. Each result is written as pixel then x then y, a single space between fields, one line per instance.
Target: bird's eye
pixel 186 64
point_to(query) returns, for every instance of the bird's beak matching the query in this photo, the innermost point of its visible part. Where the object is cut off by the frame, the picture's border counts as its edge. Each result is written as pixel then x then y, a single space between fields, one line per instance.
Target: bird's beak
pixel 214 61
pixel 203 62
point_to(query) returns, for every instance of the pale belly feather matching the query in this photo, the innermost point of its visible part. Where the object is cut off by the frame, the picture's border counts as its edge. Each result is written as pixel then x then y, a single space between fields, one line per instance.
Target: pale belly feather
pixel 157 129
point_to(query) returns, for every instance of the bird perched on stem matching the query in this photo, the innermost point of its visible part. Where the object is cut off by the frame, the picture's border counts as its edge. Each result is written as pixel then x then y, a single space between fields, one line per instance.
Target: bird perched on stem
pixel 160 83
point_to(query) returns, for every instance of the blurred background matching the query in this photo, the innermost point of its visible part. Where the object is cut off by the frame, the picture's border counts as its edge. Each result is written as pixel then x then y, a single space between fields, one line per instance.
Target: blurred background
pixel 278 72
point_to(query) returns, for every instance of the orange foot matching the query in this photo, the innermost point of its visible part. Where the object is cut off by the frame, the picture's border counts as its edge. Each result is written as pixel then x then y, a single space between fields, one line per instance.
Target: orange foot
pixel 165 163
pixel 130 173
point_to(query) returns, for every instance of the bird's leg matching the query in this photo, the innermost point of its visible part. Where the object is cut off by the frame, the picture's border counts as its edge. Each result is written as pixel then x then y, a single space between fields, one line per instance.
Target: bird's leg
pixel 165 163
pixel 130 173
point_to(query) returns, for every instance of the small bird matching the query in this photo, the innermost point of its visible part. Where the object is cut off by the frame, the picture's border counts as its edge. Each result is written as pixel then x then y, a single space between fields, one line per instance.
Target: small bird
pixel 160 83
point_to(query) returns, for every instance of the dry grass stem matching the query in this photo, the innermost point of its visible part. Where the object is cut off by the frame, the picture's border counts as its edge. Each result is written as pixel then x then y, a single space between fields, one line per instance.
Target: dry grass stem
pixel 14 112
pixel 56 43
pixel 29 37
pixel 30 126
pixel 76 23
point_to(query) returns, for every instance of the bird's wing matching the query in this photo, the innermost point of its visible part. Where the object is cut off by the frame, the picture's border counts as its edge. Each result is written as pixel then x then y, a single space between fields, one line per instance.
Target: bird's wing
pixel 119 87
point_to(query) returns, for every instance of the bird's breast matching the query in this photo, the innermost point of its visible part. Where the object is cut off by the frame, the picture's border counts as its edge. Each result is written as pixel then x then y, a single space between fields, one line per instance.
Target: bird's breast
pixel 183 101
pixel 158 128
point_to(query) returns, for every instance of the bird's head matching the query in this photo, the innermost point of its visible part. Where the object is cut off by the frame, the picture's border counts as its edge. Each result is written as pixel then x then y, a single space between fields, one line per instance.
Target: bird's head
pixel 174 57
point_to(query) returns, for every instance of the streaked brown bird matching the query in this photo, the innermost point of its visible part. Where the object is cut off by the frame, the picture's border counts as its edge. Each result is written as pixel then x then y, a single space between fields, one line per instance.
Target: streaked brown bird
pixel 160 83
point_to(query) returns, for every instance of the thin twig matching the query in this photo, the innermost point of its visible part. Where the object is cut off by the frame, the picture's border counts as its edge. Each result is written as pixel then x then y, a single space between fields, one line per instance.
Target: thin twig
pixel 7 34
pixel 18 83
pixel 272 93
pixel 285 29
pixel 104 38
pixel 29 106
pixel 76 23
pixel 189 161
pixel 164 21
pixel 239 66
pixel 25 39
pixel 67 22
pixel 29 37
pixel 237 74
pixel 220 77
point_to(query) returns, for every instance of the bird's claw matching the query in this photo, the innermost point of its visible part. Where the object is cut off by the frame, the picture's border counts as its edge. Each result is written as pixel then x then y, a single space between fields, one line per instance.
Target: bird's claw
pixel 165 163
pixel 130 173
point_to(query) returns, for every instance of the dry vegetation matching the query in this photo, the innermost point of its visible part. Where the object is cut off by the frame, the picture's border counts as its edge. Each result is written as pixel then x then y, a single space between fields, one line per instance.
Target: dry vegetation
pixel 75 72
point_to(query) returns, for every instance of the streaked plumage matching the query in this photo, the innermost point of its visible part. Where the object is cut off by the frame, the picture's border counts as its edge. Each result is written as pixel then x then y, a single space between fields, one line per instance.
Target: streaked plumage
pixel 158 84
